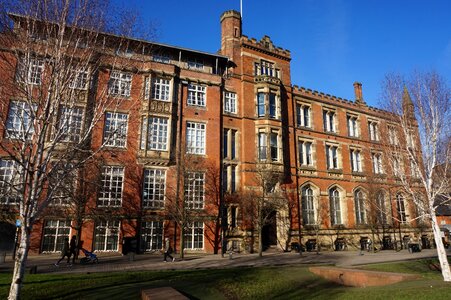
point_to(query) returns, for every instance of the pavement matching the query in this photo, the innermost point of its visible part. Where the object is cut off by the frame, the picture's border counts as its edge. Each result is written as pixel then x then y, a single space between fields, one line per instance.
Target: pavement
pixel 111 262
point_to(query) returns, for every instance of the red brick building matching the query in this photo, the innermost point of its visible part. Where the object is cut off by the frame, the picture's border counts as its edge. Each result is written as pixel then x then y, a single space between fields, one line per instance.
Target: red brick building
pixel 195 130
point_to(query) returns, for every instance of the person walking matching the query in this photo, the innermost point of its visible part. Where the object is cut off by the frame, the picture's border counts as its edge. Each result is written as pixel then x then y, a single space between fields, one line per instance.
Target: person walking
pixel 73 249
pixel 167 250
pixel 65 252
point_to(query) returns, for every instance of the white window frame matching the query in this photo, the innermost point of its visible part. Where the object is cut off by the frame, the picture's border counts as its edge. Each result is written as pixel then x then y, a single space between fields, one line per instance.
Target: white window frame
pixel 401 209
pixel 31 73
pixel 332 157
pixel 353 126
pixel 70 125
pixel 360 210
pixel 10 182
pixel 112 184
pixel 197 95
pixel 79 80
pixel 120 84
pixel 54 242
pixel 336 217
pixel 305 150
pixel 194 190
pixel 356 160
pixel 329 120
pixel 108 230
pixel 160 88
pixel 154 133
pixel 377 163
pixel 303 115
pixel 115 129
pixel 195 230
pixel 373 128
pixel 154 188
pixel 152 235
pixel 393 136
pixel 195 138
pixel 20 120
pixel 230 102
pixel 308 205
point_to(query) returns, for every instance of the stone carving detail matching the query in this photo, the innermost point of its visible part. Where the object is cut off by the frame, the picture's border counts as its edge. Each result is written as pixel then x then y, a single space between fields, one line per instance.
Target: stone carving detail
pixel 160 107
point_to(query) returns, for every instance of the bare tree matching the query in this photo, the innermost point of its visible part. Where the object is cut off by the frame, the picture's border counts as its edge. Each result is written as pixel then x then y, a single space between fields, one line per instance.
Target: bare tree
pixel 54 54
pixel 261 202
pixel 419 143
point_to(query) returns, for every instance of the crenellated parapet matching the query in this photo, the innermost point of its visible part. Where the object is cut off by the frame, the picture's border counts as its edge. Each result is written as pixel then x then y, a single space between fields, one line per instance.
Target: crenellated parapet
pixel 265 45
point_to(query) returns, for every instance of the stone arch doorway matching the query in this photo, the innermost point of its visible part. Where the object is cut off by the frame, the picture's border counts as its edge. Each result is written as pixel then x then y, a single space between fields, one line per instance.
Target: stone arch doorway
pixel 269 231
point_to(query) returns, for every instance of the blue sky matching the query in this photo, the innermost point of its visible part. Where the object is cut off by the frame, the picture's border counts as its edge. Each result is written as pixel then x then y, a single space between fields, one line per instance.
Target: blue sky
pixel 332 42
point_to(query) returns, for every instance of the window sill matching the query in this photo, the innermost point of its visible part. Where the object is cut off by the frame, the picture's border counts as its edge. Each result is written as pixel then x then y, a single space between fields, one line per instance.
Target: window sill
pixel 307 168
pixel 335 171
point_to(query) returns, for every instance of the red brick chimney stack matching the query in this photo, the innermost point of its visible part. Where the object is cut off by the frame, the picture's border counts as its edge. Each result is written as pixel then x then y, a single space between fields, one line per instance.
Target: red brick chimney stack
pixel 358 92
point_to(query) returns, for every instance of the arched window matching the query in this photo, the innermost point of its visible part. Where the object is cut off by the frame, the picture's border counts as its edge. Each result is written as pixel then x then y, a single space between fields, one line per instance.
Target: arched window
pixel 359 199
pixel 335 208
pixel 308 206
pixel 381 216
pixel 401 208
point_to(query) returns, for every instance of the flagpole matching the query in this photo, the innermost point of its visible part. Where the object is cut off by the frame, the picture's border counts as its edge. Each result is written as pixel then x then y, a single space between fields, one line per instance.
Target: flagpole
pixel 241 8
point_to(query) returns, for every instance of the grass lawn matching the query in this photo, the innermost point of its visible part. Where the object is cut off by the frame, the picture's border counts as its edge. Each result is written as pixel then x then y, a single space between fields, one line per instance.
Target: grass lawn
pixel 291 282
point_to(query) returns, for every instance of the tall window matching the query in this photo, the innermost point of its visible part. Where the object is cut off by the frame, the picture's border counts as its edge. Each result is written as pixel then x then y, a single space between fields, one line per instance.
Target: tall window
pixel 230 141
pixel 195 138
pixel 112 186
pixel 262 145
pixel 329 121
pixel 154 133
pixel 305 153
pixel 359 202
pixel 393 136
pixel 274 144
pixel 303 115
pixel 160 88
pixel 397 166
pixel 10 182
pixel 272 105
pixel 229 178
pixel 267 104
pixel 70 124
pixel 308 206
pixel 261 111
pixel 332 157
pixel 62 183
pixel 153 188
pixel 377 163
pixel 55 231
pixel 373 128
pixel 401 209
pixel 380 208
pixel 230 104
pixel 356 161
pixel 120 84
pixel 19 124
pixel 197 95
pixel 79 79
pixel 106 236
pixel 152 235
pixel 335 207
pixel 194 236
pixel 115 130
pixel 194 190
pixel 353 129
pixel 30 71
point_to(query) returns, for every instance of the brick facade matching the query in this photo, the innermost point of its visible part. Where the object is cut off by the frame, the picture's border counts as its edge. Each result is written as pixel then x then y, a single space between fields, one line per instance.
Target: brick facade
pixel 246 112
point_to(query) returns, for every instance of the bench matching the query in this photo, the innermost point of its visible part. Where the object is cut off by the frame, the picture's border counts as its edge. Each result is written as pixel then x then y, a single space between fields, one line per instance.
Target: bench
pixel 162 293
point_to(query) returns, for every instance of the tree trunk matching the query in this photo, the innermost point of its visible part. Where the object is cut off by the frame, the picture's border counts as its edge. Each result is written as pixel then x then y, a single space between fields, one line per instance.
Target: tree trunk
pixel 260 241
pixel 182 243
pixel 19 265
pixel 441 252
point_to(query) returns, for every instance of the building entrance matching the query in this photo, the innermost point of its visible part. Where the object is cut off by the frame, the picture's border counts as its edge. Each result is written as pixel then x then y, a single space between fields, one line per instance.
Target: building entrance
pixel 269 232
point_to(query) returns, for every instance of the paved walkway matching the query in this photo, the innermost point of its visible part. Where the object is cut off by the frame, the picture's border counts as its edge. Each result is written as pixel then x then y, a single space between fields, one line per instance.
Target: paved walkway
pixel 110 262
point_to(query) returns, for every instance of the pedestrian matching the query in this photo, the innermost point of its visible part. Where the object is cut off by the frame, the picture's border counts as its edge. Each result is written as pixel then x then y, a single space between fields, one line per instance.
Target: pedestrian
pixel 167 250
pixel 73 249
pixel 65 252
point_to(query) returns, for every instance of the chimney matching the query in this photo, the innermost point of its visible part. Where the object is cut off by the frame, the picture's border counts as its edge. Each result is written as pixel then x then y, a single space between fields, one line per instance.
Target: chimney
pixel 358 92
